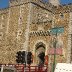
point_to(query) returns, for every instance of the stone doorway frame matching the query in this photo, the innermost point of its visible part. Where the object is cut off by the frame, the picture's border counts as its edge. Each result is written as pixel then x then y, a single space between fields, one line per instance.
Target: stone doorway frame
pixel 39 45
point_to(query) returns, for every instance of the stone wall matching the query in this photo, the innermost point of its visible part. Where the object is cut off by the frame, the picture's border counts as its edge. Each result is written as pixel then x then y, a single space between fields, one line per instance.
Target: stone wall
pixel 13 32
pixel 40 18
pixel 62 20
pixel 25 23
pixel 69 52
pixel 3 34
pixel 41 22
pixel 36 39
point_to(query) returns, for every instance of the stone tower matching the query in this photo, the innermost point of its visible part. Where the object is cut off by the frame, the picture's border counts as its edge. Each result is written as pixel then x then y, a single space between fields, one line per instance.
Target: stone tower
pixel 55 2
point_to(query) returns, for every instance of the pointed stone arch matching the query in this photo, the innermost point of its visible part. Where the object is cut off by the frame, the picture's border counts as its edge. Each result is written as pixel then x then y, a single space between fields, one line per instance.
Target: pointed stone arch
pixel 40 47
pixel 40 44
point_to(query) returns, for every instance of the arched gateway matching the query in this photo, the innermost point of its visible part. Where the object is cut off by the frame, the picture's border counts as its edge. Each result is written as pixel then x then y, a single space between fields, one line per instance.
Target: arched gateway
pixel 40 53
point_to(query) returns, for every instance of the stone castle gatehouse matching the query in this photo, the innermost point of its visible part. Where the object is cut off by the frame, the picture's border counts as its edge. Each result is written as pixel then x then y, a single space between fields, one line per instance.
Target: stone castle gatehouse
pixel 27 24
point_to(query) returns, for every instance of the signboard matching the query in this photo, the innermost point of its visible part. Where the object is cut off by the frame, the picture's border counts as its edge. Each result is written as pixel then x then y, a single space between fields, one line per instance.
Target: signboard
pixel 57 30
pixel 63 67
pixel 57 52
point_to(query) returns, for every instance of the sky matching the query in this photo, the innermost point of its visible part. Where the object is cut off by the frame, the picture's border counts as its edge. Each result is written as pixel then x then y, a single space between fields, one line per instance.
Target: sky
pixel 66 1
pixel 5 3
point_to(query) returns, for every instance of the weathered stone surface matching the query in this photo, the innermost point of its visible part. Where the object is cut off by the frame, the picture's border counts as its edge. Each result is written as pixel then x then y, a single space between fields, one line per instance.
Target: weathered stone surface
pixel 27 22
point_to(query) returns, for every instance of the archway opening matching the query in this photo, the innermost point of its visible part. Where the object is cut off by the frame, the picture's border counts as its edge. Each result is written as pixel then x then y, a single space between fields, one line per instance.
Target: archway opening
pixel 40 53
